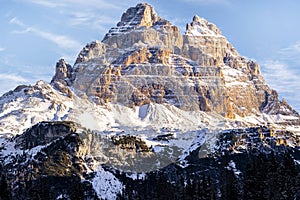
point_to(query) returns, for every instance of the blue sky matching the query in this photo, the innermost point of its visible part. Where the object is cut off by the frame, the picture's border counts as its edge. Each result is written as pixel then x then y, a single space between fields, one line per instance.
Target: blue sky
pixel 36 33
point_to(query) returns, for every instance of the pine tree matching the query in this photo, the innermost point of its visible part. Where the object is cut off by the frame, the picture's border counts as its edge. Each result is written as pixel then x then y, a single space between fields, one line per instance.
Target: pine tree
pixel 4 191
pixel 272 178
pixel 230 185
pixel 287 173
pixel 250 182
pixel 189 190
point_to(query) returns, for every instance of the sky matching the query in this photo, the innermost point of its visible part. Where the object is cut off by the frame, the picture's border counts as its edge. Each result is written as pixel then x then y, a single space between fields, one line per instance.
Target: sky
pixel 35 34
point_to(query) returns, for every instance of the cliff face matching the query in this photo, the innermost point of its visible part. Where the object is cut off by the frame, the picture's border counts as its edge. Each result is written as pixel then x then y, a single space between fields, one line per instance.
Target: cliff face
pixel 146 59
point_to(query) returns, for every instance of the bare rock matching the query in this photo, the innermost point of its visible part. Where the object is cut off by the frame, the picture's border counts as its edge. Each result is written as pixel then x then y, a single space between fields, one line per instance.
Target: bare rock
pixel 140 25
pixel 274 106
pixel 92 50
pixel 63 73
pixel 45 132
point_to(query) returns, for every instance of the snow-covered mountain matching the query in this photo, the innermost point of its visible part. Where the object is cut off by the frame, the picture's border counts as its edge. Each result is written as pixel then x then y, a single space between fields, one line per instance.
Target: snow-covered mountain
pixel 145 63
pixel 145 98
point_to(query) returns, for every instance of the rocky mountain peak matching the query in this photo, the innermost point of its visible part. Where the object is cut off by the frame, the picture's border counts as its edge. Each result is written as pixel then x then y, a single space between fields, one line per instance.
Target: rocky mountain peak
pixel 200 26
pixel 142 15
pixel 63 72
pixel 145 59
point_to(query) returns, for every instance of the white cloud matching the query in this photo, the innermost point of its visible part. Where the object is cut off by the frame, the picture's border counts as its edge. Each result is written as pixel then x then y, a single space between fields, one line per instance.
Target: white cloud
pixel 284 79
pixel 91 20
pixel 49 4
pixel 2 49
pixel 80 17
pixel 281 76
pixel 99 15
pixel 10 81
pixel 94 14
pixel 16 21
pixel 12 77
pixel 291 53
pixel 207 2
pixel 27 30
pixel 60 40
pixel 282 73
pixel 103 4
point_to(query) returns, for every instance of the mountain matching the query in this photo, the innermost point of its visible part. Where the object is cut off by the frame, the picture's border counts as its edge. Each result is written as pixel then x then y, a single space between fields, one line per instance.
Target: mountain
pixel 149 108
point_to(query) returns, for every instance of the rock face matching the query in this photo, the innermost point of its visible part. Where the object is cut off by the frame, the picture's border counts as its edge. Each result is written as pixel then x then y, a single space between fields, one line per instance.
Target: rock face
pixel 63 73
pixel 93 50
pixel 63 77
pixel 203 42
pixel 273 106
pixel 146 59
pixel 44 133
pixel 141 25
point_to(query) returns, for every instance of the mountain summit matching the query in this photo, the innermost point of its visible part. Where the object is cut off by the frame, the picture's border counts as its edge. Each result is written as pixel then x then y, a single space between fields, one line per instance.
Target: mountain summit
pixel 200 27
pixel 146 59
pixel 148 108
pixel 143 15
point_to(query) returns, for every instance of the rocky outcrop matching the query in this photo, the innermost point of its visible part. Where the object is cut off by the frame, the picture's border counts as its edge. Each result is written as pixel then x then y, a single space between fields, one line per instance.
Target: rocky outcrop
pixel 141 15
pixel 63 73
pixel 63 77
pixel 274 106
pixel 50 168
pixel 44 133
pixel 131 143
pixel 92 50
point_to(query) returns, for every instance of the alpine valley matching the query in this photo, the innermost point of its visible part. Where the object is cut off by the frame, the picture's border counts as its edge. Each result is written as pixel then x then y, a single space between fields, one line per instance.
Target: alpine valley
pixel 150 113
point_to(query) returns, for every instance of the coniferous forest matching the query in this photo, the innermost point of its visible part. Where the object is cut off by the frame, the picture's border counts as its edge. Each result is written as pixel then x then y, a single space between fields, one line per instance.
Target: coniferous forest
pixel 259 176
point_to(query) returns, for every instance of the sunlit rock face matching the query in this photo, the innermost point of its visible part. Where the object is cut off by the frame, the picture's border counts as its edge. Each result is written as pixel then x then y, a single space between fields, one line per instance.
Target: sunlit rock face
pixel 141 25
pixel 146 59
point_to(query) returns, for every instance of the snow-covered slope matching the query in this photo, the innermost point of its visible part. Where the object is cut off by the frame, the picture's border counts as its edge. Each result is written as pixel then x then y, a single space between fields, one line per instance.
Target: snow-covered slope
pixel 28 105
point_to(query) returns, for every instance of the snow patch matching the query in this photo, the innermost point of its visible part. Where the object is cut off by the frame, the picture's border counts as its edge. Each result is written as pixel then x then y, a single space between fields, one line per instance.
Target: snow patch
pixel 198 141
pixel 106 185
pixel 137 176
pixel 143 111
pixel 232 166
